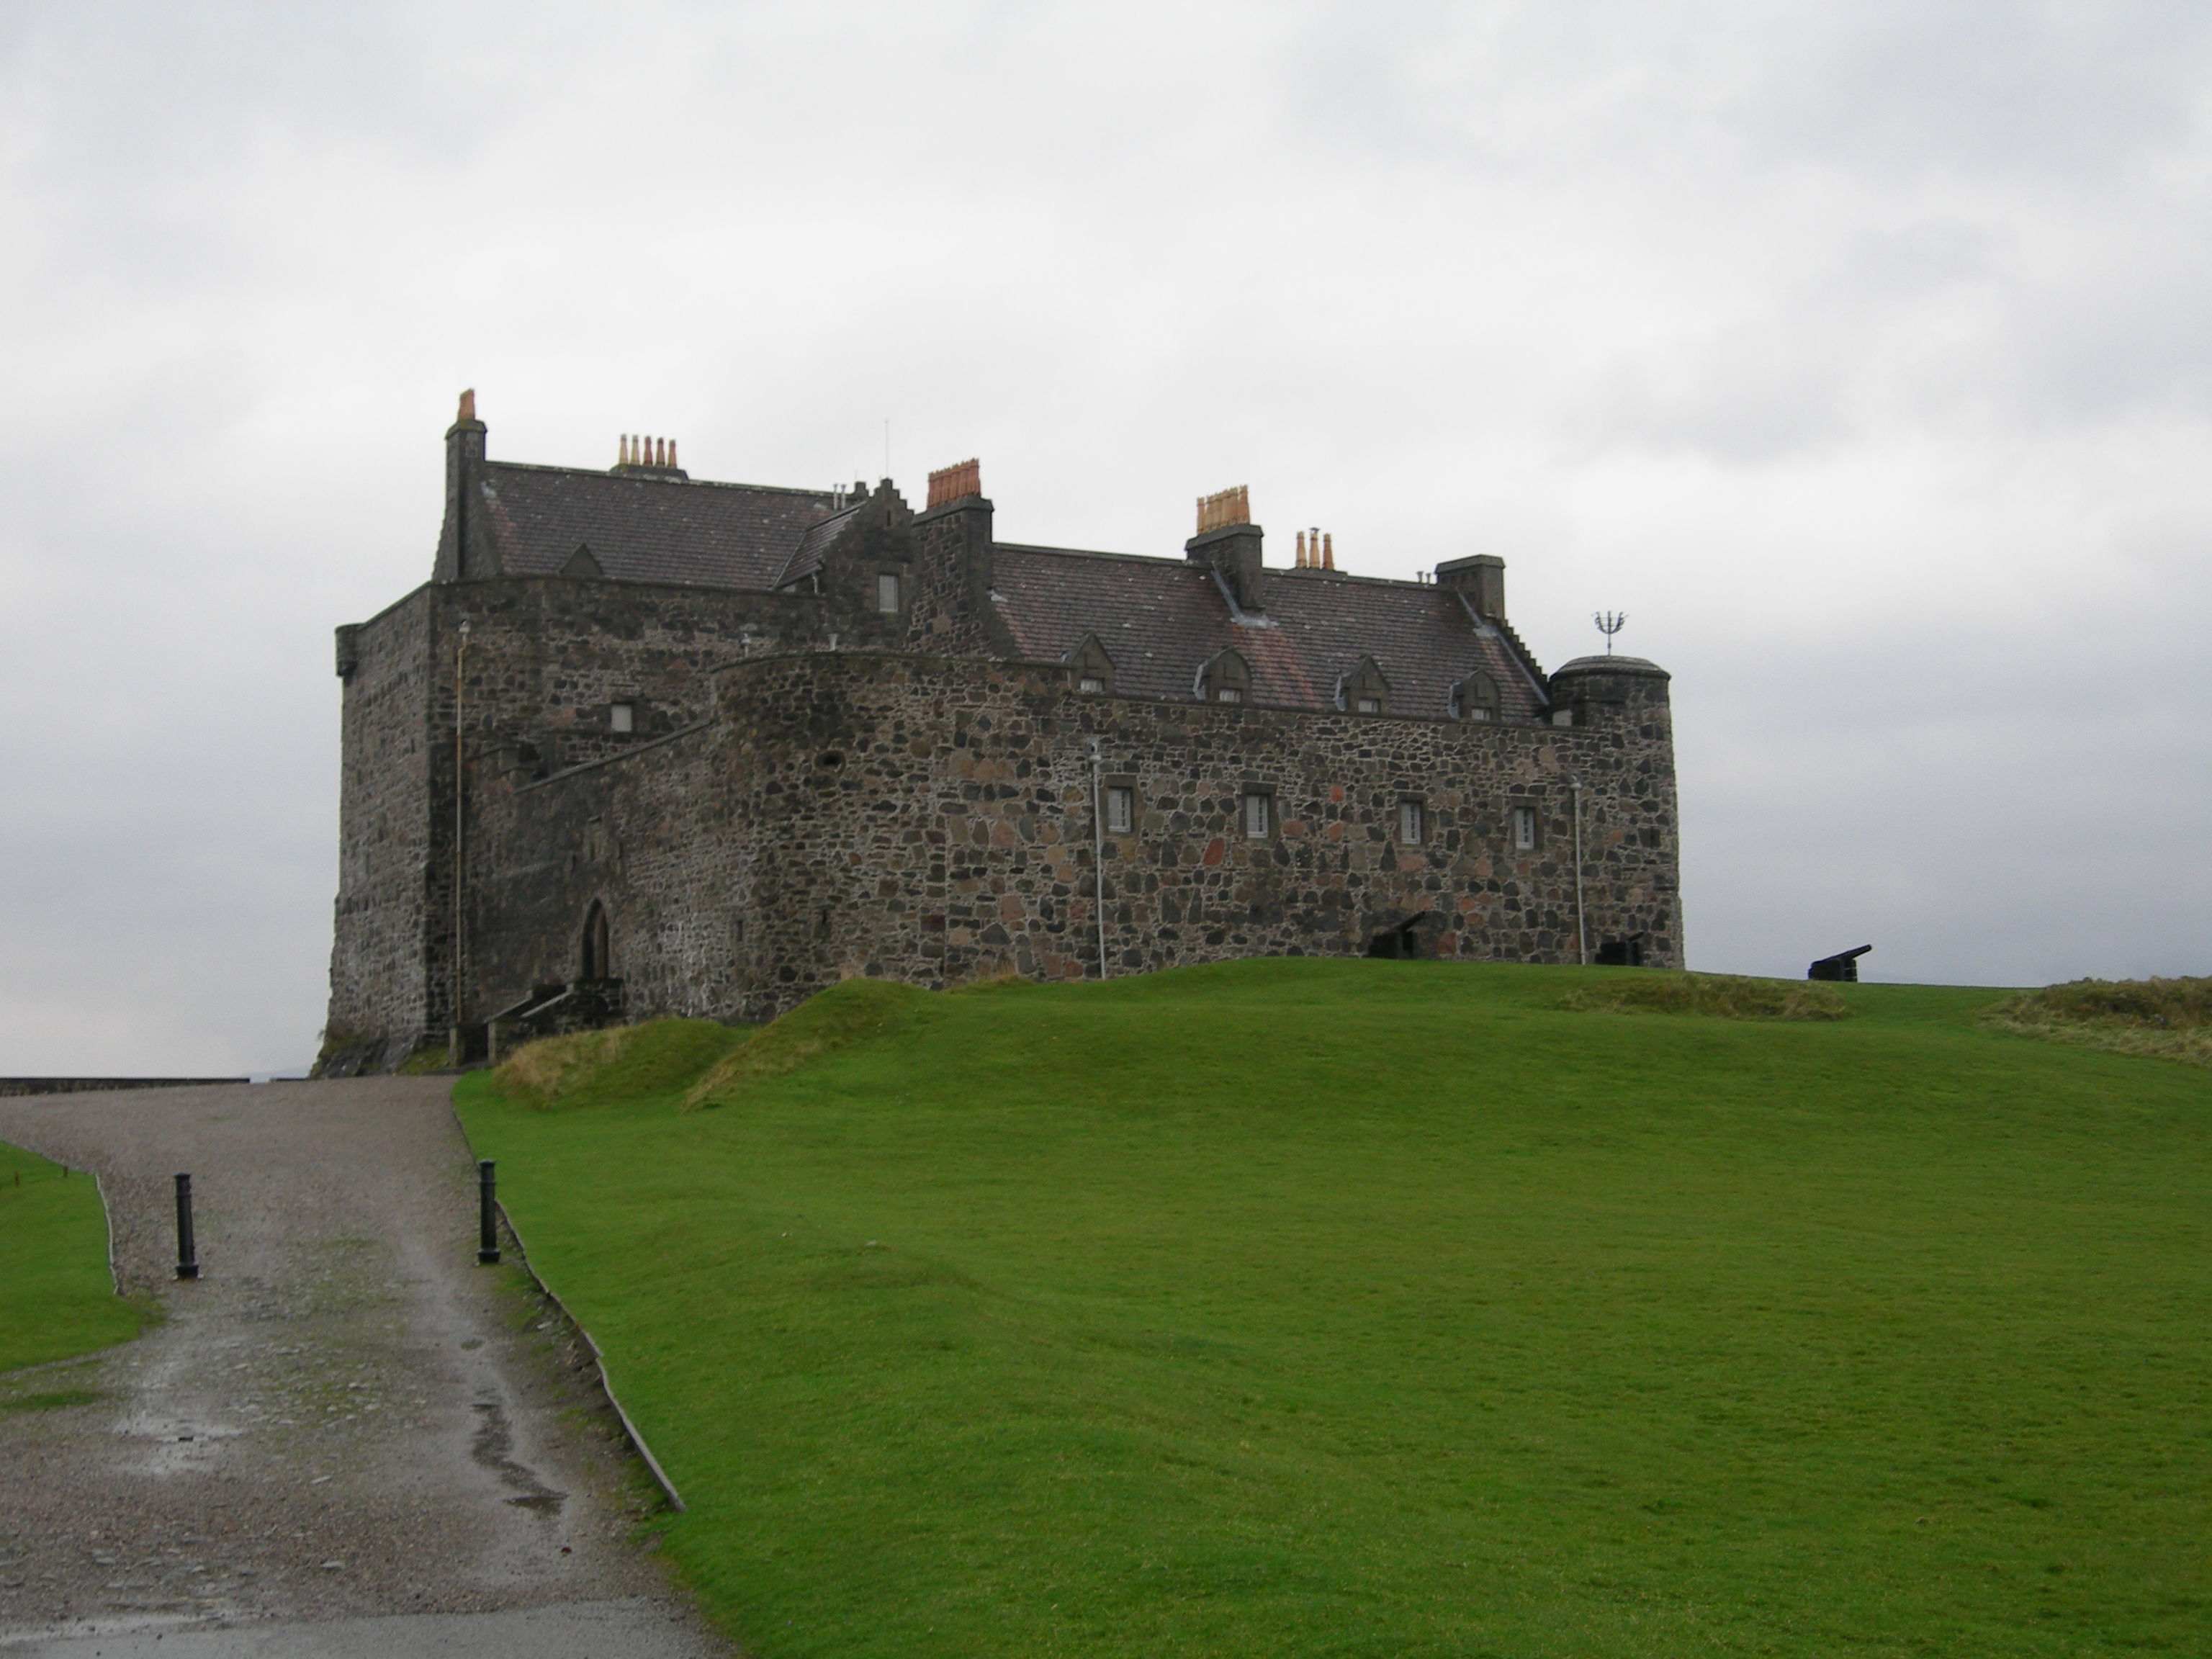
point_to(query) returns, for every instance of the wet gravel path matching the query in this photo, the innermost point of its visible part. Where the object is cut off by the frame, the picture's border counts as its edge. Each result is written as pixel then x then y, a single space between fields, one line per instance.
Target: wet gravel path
pixel 344 1421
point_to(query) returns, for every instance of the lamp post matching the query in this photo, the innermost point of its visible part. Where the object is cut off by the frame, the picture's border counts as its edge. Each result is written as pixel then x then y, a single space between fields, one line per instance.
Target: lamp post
pixel 1582 932
pixel 1098 853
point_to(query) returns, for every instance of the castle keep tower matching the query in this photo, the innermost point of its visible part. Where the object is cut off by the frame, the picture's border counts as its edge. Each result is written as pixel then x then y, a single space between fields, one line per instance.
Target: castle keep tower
pixel 646 744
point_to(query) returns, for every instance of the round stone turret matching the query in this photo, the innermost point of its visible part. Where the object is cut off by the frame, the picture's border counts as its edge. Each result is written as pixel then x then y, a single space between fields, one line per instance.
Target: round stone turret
pixel 1608 690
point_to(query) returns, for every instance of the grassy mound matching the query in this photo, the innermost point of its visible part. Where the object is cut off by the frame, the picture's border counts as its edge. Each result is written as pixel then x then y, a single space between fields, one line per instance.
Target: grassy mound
pixel 2170 1019
pixel 1382 1308
pixel 620 1065
pixel 56 1297
pixel 1720 996
pixel 857 1010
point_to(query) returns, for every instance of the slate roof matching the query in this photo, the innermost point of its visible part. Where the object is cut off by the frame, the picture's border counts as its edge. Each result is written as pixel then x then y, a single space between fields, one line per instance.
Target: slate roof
pixel 807 559
pixel 644 529
pixel 1160 620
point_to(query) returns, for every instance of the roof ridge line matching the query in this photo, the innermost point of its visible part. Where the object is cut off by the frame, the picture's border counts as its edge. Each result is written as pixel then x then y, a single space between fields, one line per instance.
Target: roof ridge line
pixel 648 478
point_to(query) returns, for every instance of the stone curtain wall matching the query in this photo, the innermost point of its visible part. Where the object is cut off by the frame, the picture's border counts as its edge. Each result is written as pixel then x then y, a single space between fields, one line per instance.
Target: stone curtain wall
pixel 929 819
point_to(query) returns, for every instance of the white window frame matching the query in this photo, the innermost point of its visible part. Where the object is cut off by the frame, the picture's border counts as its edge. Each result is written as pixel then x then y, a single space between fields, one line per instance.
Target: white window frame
pixel 622 717
pixel 887 589
pixel 1230 694
pixel 1524 829
pixel 1092 684
pixel 1257 814
pixel 1413 823
pixel 1121 809
pixel 1367 706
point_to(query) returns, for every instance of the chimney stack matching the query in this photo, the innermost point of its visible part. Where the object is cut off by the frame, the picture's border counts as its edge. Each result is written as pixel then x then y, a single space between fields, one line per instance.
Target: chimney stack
pixel 1481 578
pixel 955 483
pixel 636 452
pixel 461 552
pixel 1230 542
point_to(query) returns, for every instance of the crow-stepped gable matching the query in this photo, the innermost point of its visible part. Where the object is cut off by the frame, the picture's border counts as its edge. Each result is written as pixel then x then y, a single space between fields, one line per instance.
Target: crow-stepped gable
pixel 646 744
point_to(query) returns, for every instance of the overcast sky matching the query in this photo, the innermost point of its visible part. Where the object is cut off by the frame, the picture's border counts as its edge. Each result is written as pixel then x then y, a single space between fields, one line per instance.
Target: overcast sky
pixel 1860 352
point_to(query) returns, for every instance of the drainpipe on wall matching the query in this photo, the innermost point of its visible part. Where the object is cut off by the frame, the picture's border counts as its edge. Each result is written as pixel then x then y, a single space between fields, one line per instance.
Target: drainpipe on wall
pixel 1098 853
pixel 1582 932
pixel 453 1049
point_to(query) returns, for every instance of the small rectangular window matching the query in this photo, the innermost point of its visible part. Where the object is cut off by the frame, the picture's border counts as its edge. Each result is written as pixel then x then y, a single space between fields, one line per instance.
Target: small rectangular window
pixel 1409 822
pixel 1479 712
pixel 887 594
pixel 1563 717
pixel 1229 694
pixel 1258 811
pixel 1090 683
pixel 1524 829
pixel 622 717
pixel 1121 809
pixel 1370 705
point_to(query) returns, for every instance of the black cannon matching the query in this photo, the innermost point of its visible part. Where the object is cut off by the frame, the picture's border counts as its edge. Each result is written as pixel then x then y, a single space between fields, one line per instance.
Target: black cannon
pixel 1843 966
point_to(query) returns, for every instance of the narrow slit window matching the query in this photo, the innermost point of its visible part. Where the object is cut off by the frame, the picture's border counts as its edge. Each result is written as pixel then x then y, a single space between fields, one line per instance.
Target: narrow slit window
pixel 1524 829
pixel 1259 812
pixel 1121 809
pixel 622 717
pixel 1409 822
pixel 887 592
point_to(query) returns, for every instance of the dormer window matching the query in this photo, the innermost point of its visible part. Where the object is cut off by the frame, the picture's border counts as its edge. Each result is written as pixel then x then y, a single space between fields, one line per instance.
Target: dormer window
pixel 1227 678
pixel 1475 698
pixel 1093 668
pixel 622 717
pixel 1363 690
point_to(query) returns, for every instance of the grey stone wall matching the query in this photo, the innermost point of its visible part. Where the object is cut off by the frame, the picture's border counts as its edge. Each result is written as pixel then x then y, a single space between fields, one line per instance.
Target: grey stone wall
pixel 929 819
pixel 377 963
pixel 547 659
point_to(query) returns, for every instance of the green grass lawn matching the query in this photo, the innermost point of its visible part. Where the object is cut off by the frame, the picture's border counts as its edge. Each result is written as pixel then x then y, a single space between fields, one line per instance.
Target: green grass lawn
pixel 1350 1308
pixel 56 1297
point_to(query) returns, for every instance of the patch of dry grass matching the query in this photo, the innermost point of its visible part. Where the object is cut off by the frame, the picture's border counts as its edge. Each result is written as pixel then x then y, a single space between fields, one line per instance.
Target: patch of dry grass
pixel 1717 996
pixel 2166 1018
pixel 858 1010
pixel 621 1063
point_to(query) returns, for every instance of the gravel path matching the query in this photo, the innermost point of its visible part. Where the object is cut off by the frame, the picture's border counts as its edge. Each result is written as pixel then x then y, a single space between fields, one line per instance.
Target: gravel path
pixel 343 1421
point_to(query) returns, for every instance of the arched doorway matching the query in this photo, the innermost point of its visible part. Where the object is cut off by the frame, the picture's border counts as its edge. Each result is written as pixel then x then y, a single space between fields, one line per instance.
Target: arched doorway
pixel 598 958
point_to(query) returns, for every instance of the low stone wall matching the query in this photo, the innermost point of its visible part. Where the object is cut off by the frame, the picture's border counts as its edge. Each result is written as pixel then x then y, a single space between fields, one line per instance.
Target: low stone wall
pixel 85 1085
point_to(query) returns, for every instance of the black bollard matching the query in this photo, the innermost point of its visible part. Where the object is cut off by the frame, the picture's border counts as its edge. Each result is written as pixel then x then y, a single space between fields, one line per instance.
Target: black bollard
pixel 188 1262
pixel 487 1215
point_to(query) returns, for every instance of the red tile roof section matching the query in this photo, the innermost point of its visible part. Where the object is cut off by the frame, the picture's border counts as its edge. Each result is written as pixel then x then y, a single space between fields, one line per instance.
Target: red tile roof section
pixel 1161 619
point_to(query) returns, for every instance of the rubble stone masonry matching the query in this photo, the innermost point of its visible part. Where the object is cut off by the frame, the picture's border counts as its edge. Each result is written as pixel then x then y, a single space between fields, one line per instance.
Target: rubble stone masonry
pixel 930 819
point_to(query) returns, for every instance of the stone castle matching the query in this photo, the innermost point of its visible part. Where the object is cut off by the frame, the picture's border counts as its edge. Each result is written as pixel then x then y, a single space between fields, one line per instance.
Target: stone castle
pixel 646 744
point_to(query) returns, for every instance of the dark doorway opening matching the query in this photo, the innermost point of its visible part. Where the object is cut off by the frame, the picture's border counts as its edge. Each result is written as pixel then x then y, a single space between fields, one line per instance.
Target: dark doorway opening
pixel 1399 943
pixel 1621 952
pixel 599 960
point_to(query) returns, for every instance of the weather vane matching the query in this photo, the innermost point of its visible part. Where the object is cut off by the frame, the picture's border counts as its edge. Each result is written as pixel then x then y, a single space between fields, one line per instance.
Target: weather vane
pixel 1609 624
